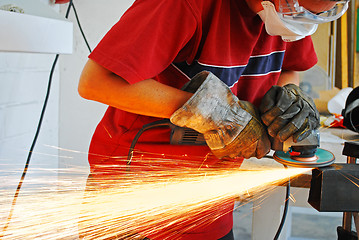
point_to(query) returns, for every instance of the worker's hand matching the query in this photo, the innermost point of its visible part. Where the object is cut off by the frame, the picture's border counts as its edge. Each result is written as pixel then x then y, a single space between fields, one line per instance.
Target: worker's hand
pixel 288 111
pixel 230 127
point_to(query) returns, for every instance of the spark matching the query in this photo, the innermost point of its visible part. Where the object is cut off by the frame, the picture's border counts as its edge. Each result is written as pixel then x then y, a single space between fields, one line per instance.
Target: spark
pixel 64 149
pixel 107 131
pixel 134 204
pixel 292 198
pixel 205 159
pixel 350 180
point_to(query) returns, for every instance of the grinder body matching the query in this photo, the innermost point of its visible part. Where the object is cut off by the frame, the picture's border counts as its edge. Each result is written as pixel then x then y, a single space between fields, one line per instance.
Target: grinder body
pixel 305 153
pixel 303 149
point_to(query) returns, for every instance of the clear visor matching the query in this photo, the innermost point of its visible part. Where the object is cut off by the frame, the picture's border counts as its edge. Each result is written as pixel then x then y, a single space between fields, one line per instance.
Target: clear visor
pixel 292 11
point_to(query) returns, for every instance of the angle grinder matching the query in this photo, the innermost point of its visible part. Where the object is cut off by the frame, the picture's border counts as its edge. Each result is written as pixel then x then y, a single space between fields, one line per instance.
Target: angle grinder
pixel 305 153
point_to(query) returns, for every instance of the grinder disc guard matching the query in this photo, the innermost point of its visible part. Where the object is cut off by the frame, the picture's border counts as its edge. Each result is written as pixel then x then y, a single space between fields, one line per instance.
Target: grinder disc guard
pixel 323 158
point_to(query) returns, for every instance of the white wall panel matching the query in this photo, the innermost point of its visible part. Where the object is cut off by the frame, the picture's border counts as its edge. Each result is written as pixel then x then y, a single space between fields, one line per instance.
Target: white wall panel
pixel 79 117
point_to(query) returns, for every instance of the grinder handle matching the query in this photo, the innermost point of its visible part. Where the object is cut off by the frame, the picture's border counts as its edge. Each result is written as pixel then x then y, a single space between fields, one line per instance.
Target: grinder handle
pixel 312 140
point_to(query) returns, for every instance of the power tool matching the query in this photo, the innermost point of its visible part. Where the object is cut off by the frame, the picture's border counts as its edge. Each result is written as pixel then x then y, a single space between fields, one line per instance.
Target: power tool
pixel 305 153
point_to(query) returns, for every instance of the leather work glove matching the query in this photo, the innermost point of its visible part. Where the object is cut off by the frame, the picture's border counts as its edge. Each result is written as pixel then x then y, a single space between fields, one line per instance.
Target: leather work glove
pixel 288 111
pixel 231 127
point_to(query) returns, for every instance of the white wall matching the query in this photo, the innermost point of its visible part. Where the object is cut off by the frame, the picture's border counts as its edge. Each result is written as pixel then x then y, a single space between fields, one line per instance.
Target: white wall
pixel 23 84
pixel 69 120
pixel 78 117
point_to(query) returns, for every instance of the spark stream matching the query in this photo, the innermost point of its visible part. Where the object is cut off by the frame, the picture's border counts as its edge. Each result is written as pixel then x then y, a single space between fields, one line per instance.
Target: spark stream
pixel 135 205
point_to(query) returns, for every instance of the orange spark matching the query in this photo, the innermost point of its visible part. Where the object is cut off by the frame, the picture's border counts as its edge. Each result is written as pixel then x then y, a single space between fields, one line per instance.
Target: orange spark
pixel 135 204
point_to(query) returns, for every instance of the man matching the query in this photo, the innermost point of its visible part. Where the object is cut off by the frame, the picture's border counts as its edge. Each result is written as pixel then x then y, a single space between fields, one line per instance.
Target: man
pixel 231 49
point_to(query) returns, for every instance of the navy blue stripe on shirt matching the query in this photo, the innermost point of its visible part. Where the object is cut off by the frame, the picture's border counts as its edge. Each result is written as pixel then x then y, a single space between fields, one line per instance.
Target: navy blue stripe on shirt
pixel 264 64
pixel 257 66
pixel 228 75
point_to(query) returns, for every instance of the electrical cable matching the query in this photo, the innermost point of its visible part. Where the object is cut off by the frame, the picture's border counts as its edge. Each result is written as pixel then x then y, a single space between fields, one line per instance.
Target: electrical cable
pixel 285 209
pixel 16 195
pixel 79 24
pixel 159 123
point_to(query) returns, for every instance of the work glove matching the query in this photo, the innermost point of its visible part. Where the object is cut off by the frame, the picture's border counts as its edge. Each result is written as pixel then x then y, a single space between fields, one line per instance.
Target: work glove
pixel 287 111
pixel 231 127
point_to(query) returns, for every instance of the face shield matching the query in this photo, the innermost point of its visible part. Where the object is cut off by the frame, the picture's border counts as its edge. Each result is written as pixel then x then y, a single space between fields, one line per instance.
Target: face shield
pixel 293 22
pixel 291 11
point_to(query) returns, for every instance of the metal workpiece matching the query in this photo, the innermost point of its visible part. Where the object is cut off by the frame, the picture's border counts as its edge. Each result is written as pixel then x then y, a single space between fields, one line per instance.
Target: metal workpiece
pixel 351 150
pixel 335 188
pixel 346 235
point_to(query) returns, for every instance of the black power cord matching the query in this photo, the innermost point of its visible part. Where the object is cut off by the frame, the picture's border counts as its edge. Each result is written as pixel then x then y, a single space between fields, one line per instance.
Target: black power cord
pixel 78 23
pixel 16 195
pixel 159 123
pixel 286 205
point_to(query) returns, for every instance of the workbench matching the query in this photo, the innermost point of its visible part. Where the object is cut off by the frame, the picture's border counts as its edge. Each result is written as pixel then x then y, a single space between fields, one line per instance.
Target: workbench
pixel 268 210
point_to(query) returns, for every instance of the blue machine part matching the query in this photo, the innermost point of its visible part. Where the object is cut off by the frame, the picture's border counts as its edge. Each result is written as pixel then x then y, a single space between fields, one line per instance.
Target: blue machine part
pixel 322 158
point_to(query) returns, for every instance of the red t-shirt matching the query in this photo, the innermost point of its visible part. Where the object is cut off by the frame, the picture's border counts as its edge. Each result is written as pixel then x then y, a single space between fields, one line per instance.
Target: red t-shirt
pixel 171 41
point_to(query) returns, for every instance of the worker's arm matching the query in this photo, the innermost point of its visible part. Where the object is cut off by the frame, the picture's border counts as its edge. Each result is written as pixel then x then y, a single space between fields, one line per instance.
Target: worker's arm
pixel 215 112
pixel 287 77
pixel 147 97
